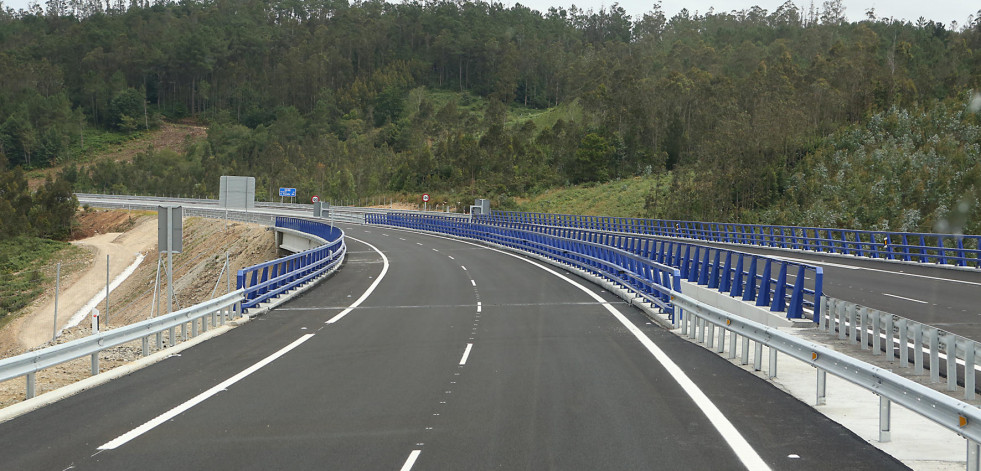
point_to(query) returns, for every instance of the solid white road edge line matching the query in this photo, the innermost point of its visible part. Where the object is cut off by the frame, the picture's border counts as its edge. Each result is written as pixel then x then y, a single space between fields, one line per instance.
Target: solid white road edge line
pixel 466 354
pixel 370 288
pixel 122 439
pixel 411 461
pixel 749 457
pixel 743 450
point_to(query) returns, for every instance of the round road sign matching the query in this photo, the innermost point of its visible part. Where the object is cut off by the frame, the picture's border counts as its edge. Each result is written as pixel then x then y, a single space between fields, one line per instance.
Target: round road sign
pixel 314 199
pixel 425 197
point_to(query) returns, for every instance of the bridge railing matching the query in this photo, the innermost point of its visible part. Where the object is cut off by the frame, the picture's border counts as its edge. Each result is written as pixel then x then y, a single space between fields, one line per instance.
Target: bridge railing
pixel 905 342
pixel 780 285
pixel 943 249
pixel 273 278
pixel 701 322
pixel 648 278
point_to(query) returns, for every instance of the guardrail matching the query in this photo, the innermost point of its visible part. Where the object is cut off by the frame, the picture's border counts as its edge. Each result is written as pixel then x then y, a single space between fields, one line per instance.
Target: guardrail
pixel 749 277
pixel 942 249
pixel 649 279
pixel 957 416
pixel 271 279
pixel 944 353
pixel 28 364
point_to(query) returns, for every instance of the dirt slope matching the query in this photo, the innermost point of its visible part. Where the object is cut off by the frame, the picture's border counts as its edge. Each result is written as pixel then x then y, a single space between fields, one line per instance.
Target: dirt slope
pixel 196 273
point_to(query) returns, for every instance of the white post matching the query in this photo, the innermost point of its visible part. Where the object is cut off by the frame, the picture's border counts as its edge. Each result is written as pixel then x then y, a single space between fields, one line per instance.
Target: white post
pixel 54 333
pixel 95 321
pixel 107 289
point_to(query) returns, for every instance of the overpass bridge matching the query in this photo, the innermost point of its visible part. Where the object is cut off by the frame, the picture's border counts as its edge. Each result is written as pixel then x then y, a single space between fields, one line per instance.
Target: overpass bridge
pixel 456 355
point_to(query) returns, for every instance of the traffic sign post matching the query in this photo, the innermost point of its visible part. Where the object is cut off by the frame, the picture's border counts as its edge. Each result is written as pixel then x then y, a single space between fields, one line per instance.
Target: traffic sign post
pixel 290 192
pixel 425 201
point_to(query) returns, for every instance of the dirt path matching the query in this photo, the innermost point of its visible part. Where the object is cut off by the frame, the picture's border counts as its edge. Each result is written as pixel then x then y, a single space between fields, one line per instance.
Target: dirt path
pixel 122 249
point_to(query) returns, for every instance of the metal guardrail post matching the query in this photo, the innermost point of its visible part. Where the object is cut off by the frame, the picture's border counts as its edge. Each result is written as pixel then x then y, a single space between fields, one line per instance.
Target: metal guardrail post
pixel 95 363
pixel 758 357
pixel 31 384
pixel 973 456
pixel 744 359
pixel 934 337
pixel 772 370
pixel 969 373
pixel 821 386
pixel 918 348
pixel 950 345
pixel 890 338
pixel 903 343
pixel 885 425
pixel 876 338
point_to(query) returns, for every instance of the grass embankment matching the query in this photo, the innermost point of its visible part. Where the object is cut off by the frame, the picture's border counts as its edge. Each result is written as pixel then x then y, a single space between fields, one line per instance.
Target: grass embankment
pixel 28 268
pixel 622 198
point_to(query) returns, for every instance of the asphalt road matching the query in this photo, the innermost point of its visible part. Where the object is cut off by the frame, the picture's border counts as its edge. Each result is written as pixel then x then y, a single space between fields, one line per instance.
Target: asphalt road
pixel 461 358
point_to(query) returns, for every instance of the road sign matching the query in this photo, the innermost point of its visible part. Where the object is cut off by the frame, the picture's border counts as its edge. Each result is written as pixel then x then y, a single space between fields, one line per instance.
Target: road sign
pixel 425 197
pixel 291 192
pixel 314 199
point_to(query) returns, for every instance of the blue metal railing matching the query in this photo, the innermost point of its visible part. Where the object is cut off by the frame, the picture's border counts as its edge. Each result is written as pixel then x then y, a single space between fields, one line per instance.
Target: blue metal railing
pixel 650 279
pixel 781 285
pixel 270 279
pixel 944 249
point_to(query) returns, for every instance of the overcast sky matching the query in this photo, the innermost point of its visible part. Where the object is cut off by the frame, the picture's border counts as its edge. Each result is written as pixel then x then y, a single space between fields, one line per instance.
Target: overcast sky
pixel 943 11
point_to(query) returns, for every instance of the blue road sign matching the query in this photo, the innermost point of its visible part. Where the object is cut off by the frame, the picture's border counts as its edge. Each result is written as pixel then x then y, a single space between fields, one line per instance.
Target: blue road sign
pixel 287 192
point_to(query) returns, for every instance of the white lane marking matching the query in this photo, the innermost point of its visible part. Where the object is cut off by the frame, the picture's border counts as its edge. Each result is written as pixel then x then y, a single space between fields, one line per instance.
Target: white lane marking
pixel 122 439
pixel 905 299
pixel 411 461
pixel 836 265
pixel 370 288
pixel 466 354
pixel 743 450
pixel 478 306
pixel 435 250
pixel 473 282
pixel 463 267
pixel 401 238
pixel 749 457
pixel 418 243
pixel 451 257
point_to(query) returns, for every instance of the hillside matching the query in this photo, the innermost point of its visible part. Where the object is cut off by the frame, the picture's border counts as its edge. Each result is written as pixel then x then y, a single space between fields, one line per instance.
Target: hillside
pixel 787 116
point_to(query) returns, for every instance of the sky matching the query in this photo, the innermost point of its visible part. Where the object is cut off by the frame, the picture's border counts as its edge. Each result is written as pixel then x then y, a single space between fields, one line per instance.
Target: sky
pixel 944 11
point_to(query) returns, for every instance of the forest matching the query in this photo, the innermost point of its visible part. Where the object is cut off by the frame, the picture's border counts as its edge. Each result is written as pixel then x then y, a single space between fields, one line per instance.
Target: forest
pixel 794 116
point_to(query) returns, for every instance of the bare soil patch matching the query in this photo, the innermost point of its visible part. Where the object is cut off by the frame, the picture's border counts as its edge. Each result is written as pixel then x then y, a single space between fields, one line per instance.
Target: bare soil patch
pixel 196 274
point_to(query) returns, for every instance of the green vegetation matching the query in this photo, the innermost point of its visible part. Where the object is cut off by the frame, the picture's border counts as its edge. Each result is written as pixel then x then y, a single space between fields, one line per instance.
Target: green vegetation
pixel 21 278
pixel 789 116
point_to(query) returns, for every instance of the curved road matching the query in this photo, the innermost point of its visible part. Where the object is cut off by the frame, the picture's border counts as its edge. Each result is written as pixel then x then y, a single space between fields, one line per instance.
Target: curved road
pixel 462 357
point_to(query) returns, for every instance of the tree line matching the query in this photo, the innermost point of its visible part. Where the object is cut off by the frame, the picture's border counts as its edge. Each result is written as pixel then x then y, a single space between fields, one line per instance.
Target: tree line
pixel 742 109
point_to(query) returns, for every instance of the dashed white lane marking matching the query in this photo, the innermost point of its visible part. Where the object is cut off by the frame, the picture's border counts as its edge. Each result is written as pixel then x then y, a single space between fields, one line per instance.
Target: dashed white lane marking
pixel 451 257
pixel 418 243
pixel 126 437
pixel 478 306
pixel 743 450
pixel 463 267
pixel 473 282
pixel 905 299
pixel 466 354
pixel 411 461
pixel 370 288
